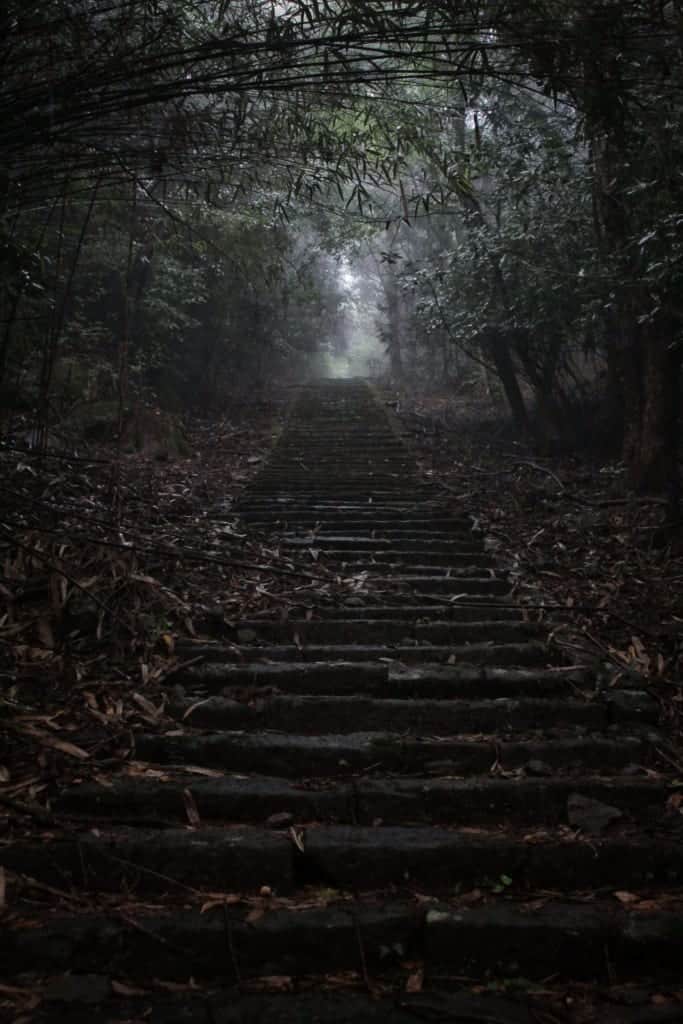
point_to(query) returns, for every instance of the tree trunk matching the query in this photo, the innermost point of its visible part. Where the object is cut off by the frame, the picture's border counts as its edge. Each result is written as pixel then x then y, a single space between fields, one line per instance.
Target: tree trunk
pixel 393 300
pixel 499 354
pixel 651 437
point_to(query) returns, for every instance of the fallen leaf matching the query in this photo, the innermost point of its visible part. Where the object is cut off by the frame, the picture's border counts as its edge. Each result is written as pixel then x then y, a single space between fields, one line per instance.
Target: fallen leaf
pixel 473 896
pixel 210 773
pixel 191 809
pixel 297 838
pixel 627 897
pixel 415 980
pixel 193 707
pixel 228 900
pixel 122 989
pixel 146 705
pixel 64 746
pixel 271 983
pixel 45 633
pixel 176 986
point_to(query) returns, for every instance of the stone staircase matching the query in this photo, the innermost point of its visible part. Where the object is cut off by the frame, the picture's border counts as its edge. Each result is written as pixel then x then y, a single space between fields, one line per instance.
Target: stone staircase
pixel 404 801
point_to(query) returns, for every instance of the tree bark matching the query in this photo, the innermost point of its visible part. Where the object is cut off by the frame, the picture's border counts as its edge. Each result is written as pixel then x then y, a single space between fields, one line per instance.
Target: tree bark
pixel 499 353
pixel 651 442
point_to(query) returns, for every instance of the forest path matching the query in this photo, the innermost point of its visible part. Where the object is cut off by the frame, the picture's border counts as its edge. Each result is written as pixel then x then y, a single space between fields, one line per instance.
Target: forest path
pixel 401 806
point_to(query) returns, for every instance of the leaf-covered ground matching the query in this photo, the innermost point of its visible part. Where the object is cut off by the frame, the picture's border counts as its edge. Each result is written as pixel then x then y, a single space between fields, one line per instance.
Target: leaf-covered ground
pixel 111 569
pixel 582 549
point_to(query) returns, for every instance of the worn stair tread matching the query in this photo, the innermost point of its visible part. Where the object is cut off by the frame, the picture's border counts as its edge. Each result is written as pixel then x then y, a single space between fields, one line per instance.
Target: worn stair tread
pixel 238 859
pixel 292 755
pixel 489 653
pixel 436 567
pixel 447 584
pixel 339 1005
pixel 384 538
pixel 322 713
pixel 367 630
pixel 393 800
pixel 362 608
pixel 597 939
pixel 235 858
pixel 384 679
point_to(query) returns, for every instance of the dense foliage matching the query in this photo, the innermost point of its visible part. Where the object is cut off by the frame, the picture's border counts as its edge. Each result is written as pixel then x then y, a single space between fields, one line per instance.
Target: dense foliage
pixel 181 180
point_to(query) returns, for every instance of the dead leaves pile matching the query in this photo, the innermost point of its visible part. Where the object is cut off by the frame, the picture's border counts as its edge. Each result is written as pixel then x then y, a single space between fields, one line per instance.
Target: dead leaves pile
pixel 582 552
pixel 107 570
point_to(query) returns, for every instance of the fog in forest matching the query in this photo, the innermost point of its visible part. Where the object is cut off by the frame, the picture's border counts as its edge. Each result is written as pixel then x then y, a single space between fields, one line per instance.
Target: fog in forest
pixel 464 203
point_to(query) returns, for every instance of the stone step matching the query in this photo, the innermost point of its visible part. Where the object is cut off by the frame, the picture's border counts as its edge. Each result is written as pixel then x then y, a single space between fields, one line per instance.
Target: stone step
pixel 383 680
pixel 384 631
pixel 369 490
pixel 361 539
pixel 265 1003
pixel 486 654
pixel 292 756
pixel 442 566
pixel 472 563
pixel 500 939
pixel 333 480
pixel 324 714
pixel 272 504
pixel 242 859
pixel 473 611
pixel 445 584
pixel 422 800
pixel 348 524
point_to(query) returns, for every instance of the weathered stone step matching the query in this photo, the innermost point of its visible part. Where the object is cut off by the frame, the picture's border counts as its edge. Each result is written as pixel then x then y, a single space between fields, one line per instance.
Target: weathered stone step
pixel 334 479
pixel 346 857
pixel 328 452
pixel 371 858
pixel 438 566
pixel 370 507
pixel 473 611
pixel 500 939
pixel 363 538
pixel 384 680
pixel 489 654
pixel 369 490
pixel 159 860
pixel 324 714
pixel 381 631
pixel 463 562
pixel 349 526
pixel 336 1006
pixel 338 463
pixel 366 801
pixel 344 547
pixel 445 584
pixel 297 756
